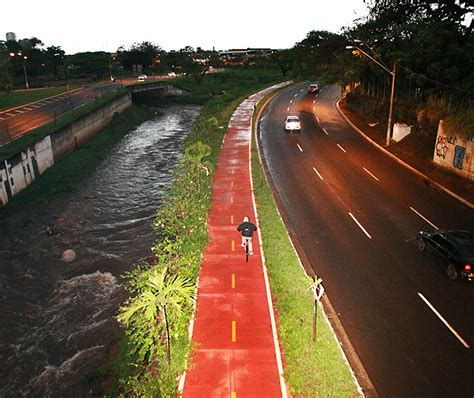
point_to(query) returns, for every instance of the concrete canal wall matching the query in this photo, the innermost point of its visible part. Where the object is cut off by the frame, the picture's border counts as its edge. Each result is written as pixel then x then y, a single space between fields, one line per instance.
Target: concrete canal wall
pixel 21 169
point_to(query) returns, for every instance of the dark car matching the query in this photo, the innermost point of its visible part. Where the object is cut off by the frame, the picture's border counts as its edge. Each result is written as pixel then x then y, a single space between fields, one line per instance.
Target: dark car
pixel 457 247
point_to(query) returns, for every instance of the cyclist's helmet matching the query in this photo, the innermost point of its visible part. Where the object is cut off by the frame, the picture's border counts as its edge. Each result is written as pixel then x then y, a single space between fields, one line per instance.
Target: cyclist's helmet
pixel 246 219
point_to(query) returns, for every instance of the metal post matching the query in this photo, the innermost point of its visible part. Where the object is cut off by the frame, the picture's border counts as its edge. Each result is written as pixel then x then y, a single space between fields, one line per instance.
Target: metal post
pixel 315 318
pixel 392 94
pixel 26 76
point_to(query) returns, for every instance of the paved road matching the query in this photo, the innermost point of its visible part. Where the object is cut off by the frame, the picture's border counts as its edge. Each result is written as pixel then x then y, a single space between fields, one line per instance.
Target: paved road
pixel 356 214
pixel 18 121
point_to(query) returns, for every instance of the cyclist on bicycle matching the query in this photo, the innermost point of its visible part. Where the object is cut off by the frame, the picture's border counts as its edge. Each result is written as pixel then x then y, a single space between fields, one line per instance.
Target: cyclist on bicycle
pixel 247 229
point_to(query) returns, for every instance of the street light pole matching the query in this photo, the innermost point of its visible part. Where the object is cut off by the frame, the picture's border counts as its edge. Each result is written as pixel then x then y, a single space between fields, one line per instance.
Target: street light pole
pixel 24 70
pixel 392 94
pixel 390 112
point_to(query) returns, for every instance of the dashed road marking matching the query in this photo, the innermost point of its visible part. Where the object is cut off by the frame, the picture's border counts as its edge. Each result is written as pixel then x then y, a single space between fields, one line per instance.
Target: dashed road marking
pixel 341 148
pixel 370 174
pixel 233 281
pixel 232 220
pixel 296 95
pixel 10 114
pixel 314 101
pixel 288 109
pixel 232 200
pixel 299 147
pixel 423 217
pixel 234 331
pixel 325 131
pixel 463 342
pixel 314 109
pixel 360 225
pixel 233 394
pixel 233 245
pixel 317 172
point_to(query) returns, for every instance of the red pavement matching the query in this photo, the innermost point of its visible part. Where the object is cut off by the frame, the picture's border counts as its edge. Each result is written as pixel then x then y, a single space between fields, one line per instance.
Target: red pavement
pixel 237 353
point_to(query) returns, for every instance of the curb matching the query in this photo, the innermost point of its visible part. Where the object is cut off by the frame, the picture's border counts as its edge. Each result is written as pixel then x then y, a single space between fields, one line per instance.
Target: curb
pixel 401 162
pixel 362 380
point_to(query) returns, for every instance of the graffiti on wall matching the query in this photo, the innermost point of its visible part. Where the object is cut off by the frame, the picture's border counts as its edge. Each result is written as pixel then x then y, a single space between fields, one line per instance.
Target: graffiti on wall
pixel 21 169
pixel 442 147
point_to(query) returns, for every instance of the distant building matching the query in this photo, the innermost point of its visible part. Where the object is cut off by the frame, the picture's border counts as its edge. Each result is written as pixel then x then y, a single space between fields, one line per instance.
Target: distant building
pixel 11 36
pixel 243 56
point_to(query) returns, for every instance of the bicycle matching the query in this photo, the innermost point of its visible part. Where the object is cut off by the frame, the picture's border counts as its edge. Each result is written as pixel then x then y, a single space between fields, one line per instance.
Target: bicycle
pixel 246 247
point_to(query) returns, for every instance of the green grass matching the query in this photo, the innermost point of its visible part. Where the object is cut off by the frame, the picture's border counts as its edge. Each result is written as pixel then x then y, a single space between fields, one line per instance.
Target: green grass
pixel 29 139
pixel 312 369
pixel 21 97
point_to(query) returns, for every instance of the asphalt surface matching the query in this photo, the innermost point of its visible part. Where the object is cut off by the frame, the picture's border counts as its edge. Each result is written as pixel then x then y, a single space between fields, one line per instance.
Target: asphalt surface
pixel 356 214
pixel 20 120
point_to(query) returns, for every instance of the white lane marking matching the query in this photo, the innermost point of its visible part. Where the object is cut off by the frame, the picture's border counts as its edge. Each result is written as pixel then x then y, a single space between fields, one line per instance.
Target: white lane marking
pixel 341 148
pixel 370 174
pixel 19 111
pixel 301 90
pixel 301 149
pixel 296 95
pixel 317 118
pixel 360 225
pixel 288 109
pixel 10 114
pixel 319 175
pixel 28 109
pixel 325 131
pixel 424 218
pixel 1 118
pixel 314 101
pixel 463 342
pixel 291 101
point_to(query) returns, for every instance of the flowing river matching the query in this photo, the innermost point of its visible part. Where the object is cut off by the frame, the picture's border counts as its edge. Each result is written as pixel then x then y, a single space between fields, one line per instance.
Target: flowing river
pixel 57 326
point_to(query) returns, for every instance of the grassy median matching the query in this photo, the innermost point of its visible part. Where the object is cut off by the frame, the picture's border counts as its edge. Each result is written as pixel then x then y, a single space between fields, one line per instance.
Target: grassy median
pixel 312 369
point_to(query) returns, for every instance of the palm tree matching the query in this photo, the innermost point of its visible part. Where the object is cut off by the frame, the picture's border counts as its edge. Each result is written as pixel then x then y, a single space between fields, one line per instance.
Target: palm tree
pixel 195 157
pixel 161 292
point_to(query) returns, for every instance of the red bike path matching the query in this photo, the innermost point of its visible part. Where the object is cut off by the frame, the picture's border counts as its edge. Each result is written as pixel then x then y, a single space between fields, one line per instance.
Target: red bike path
pixel 237 352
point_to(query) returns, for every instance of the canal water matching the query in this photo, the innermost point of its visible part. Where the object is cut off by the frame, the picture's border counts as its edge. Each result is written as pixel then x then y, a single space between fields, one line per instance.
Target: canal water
pixel 56 326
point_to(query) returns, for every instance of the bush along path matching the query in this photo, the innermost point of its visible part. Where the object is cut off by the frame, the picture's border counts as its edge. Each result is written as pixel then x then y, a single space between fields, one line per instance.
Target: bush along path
pixel 234 333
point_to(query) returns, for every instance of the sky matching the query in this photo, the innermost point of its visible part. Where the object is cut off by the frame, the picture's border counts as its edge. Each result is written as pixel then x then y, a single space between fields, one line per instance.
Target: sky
pixel 104 25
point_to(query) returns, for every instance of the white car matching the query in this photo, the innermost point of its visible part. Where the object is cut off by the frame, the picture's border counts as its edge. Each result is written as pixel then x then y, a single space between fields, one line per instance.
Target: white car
pixel 142 78
pixel 292 123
